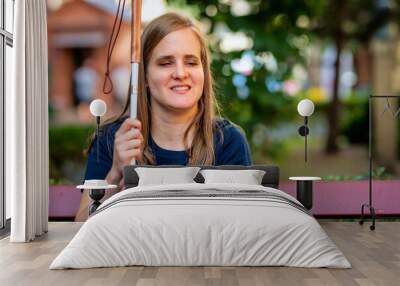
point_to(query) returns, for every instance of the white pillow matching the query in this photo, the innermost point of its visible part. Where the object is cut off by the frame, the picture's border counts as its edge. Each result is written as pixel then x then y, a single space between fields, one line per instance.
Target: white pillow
pixel 163 176
pixel 248 177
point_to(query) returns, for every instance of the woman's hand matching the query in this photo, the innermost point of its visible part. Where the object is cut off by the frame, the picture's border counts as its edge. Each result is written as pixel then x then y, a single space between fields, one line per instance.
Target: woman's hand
pixel 128 144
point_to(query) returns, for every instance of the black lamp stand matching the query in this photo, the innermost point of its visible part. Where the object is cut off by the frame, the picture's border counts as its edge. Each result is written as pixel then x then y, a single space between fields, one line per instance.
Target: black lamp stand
pixel 370 154
pixel 97 134
pixel 304 131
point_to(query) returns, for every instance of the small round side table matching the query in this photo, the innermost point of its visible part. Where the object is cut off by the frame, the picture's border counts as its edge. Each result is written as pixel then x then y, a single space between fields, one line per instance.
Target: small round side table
pixel 97 190
pixel 304 190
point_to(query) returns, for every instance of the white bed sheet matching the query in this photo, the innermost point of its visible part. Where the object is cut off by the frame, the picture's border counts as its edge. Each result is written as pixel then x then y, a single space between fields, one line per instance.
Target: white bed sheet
pixel 205 231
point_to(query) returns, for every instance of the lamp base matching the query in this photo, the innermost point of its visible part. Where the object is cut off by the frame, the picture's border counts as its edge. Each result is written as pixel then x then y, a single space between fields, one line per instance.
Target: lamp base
pixel 96 195
pixel 373 216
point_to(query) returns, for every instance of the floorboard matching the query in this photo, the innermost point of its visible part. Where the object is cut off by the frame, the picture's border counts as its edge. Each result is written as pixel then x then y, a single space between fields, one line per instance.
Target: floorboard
pixel 374 255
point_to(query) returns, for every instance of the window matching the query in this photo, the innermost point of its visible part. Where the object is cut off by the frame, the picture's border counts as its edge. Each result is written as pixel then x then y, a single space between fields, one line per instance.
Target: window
pixel 9 13
pixel 6 45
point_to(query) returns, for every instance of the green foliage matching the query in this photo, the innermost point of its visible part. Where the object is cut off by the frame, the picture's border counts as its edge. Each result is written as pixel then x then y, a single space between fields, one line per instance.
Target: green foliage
pixel 59 181
pixel 273 29
pixel 283 29
pixel 354 119
pixel 273 150
pixel 181 6
pixel 67 143
pixel 379 173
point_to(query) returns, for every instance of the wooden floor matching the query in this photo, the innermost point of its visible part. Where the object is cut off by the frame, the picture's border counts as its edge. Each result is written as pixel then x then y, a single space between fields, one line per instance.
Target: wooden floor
pixel 375 257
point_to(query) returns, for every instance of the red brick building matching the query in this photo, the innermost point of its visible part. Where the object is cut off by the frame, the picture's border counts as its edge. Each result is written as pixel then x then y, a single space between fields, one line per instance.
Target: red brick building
pixel 79 32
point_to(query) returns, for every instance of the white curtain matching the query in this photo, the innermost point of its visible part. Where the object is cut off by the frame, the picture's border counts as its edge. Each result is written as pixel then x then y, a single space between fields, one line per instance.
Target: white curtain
pixel 27 124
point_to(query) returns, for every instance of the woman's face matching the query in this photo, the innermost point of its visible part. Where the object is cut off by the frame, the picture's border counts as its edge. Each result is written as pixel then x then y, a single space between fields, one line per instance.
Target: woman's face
pixel 175 74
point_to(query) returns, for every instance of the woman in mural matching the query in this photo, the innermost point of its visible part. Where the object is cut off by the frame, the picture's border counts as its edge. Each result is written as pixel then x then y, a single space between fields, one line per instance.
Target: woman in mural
pixel 176 122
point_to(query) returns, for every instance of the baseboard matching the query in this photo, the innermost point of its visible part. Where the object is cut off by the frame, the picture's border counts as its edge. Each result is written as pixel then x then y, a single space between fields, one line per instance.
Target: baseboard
pixel 5 231
pixel 61 218
pixel 367 217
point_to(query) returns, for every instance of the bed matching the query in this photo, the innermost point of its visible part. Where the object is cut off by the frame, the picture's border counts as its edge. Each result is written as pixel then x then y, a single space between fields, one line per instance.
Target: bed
pixel 201 223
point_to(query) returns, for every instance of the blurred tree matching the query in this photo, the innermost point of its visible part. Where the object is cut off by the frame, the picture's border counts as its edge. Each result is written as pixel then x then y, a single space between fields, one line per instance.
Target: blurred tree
pixel 348 23
pixel 280 31
pixel 255 46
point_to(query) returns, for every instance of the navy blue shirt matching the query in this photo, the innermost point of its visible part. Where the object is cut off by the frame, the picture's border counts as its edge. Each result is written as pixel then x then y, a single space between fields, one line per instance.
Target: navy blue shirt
pixel 233 150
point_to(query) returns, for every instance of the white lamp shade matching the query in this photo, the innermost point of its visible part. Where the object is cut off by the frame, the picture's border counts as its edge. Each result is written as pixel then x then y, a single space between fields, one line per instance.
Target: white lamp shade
pixel 98 107
pixel 305 107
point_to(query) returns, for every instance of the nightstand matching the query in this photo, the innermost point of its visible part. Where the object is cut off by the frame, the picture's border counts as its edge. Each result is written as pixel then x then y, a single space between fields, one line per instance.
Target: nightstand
pixel 304 190
pixel 97 190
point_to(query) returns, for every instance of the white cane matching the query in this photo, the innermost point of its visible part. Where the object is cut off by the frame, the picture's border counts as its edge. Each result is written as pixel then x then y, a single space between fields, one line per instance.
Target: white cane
pixel 135 57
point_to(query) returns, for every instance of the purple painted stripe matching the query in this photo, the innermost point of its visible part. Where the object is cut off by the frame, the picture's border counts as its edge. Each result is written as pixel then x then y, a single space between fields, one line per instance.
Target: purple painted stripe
pixel 64 201
pixel 346 198
pixel 330 198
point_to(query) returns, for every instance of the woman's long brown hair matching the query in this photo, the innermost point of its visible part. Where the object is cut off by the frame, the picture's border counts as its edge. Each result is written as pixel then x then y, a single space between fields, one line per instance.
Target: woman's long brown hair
pixel 201 151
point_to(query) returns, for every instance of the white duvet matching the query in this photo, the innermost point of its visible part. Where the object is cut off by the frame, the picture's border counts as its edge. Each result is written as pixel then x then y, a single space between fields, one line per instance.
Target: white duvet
pixel 184 230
